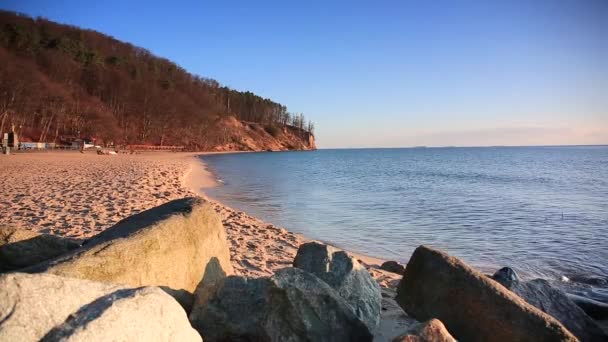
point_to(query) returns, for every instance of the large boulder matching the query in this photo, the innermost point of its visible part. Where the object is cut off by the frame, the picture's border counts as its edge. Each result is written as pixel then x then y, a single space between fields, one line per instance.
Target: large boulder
pixel 32 304
pixel 21 248
pixel 346 275
pixel 36 307
pixel 554 302
pixel 429 331
pixel 140 314
pixel 292 305
pixel 472 306
pixel 178 246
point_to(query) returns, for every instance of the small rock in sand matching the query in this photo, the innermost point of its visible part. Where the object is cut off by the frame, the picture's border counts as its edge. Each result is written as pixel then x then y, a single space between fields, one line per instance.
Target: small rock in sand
pixel 393 266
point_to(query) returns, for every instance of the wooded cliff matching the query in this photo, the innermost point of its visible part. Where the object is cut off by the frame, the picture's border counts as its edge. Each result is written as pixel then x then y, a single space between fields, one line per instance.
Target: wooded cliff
pixel 60 81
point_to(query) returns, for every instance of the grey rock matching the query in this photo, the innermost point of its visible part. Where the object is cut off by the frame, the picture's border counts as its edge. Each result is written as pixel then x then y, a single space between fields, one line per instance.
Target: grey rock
pixel 556 303
pixel 178 246
pixel 472 306
pixel 595 309
pixel 393 320
pixel 346 275
pixel 233 309
pixel 506 275
pixel 141 314
pixel 292 305
pixel 21 248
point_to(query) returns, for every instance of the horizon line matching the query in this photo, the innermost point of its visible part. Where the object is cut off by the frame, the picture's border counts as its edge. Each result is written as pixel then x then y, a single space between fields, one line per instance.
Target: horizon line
pixel 456 146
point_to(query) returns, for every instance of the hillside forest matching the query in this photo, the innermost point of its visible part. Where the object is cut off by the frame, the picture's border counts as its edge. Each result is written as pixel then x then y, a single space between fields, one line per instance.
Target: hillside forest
pixel 59 82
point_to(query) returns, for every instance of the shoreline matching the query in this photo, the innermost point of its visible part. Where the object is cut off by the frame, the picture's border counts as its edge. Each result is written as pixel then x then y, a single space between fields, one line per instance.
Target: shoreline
pixel 80 195
pixel 200 178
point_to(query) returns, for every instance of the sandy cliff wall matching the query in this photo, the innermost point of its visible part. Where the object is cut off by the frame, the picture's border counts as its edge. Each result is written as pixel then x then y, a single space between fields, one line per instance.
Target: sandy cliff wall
pixel 230 134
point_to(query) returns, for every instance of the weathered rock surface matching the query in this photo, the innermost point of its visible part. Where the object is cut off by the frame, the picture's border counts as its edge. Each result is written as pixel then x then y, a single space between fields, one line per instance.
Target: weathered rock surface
pixel 393 266
pixel 472 306
pixel 235 309
pixel 393 320
pixel 346 275
pixel 292 305
pixel 506 276
pixel 140 314
pixel 21 248
pixel 593 308
pixel 178 246
pixel 554 302
pixel 429 331
pixel 32 304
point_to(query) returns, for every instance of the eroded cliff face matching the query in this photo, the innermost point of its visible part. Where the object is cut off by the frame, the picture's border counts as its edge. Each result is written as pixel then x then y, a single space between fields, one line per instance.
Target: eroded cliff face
pixel 234 135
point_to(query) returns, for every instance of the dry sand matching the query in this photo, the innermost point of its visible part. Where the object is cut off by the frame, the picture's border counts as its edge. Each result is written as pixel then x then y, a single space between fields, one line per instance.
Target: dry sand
pixel 80 194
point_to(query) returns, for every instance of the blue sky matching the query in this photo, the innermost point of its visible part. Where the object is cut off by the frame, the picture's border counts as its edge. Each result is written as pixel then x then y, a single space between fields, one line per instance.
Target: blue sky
pixel 387 73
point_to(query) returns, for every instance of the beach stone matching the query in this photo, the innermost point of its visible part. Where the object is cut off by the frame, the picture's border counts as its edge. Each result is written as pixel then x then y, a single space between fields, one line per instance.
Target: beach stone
pixel 472 306
pixel 346 275
pixel 429 331
pixel 21 248
pixel 556 303
pixel 140 314
pixel 179 246
pixel 32 304
pixel 393 266
pixel 506 275
pixel 292 305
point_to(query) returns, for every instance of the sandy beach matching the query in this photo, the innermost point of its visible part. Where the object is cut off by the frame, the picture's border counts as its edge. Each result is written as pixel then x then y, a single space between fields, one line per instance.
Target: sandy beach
pixel 78 195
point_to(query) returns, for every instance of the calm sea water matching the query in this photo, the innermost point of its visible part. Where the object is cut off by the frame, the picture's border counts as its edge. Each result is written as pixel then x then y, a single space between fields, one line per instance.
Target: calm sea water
pixel 540 210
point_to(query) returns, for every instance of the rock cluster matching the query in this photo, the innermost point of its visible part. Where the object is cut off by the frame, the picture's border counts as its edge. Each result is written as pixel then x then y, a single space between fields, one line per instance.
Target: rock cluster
pixel 475 307
pixel 554 302
pixel 119 284
pixel 326 296
pixel 127 283
pixel 165 275
pixel 345 275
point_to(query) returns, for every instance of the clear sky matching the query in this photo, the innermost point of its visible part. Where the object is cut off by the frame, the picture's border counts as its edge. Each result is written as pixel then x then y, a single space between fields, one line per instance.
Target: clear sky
pixel 387 73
